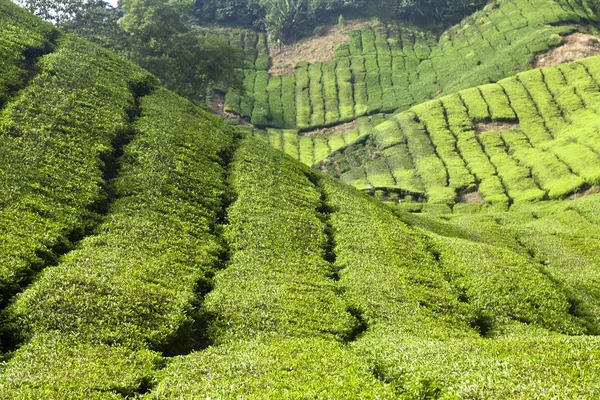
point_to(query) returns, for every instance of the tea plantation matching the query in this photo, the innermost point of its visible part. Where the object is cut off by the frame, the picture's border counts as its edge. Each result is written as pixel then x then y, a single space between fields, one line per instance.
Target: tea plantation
pixel 149 250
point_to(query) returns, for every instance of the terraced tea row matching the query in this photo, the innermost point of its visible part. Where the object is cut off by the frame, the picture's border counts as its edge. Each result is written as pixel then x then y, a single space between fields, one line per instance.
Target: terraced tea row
pixel 527 138
pixel 386 68
pixel 24 38
pixel 134 286
pixel 313 147
pixel 52 184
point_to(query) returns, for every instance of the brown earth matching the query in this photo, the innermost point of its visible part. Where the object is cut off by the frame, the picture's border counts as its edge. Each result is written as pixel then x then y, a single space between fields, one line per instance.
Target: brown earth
pixel 471 198
pixel 217 106
pixel 573 47
pixel 216 103
pixel 334 129
pixel 497 127
pixel 312 49
pixel 590 191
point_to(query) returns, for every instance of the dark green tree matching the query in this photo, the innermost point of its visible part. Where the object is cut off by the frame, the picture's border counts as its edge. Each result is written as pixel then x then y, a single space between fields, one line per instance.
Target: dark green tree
pixel 161 39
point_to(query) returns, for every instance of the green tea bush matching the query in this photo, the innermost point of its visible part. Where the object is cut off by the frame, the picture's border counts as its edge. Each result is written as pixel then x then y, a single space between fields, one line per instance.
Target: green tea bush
pixel 374 92
pixel 290 143
pixel 250 41
pixel 260 112
pixel 23 40
pixel 320 369
pixel 321 148
pixel 247 102
pixel 305 147
pixel 551 174
pixel 544 101
pixel 262 62
pixel 330 94
pixel 277 280
pixel 357 65
pixel 59 367
pixel 531 121
pixel 275 138
pixel 403 169
pixel 274 99
pixel 368 41
pixel 430 168
pixel 288 100
pixel 56 142
pixel 379 174
pixel 303 106
pixel 355 42
pixel 497 102
pixel 431 114
pixel 475 104
pixel 233 99
pixel 134 282
pixel 335 141
pixel 516 178
pixel 344 88
pixel 317 117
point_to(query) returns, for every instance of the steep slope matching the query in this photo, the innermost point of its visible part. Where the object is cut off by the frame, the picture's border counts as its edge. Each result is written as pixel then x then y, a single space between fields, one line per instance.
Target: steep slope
pixel 25 38
pixel 200 264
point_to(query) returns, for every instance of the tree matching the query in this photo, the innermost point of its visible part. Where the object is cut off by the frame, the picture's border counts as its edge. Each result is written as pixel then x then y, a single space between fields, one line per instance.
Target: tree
pixel 283 17
pixel 160 38
pixel 99 25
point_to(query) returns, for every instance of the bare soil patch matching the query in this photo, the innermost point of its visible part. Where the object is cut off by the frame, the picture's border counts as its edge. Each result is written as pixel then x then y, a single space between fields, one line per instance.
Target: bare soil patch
pixel 497 127
pixel 217 103
pixel 590 191
pixel 473 197
pixel 573 47
pixel 334 129
pixel 217 106
pixel 312 49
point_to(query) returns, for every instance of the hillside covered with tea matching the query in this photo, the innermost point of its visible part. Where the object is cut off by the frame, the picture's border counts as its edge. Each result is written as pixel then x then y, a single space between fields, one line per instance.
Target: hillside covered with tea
pixel 150 250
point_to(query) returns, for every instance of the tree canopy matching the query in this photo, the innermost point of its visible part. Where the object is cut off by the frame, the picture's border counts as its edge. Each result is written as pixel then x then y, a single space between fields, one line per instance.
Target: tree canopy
pixel 285 20
pixel 158 35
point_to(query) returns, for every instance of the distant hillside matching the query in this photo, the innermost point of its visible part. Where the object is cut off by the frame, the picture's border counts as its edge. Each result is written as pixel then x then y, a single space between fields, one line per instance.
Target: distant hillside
pixel 149 251
pixel 387 68
pixel 527 138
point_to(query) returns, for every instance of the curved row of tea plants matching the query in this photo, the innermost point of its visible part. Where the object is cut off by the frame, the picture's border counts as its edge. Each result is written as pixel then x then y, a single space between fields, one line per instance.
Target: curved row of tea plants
pixel 57 144
pixel 130 291
pixel 24 38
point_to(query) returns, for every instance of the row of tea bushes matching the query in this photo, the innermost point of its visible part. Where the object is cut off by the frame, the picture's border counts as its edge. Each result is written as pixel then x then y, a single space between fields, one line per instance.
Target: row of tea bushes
pixel 58 143
pixel 24 38
pixel 96 324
